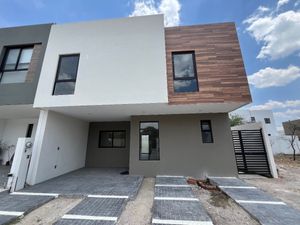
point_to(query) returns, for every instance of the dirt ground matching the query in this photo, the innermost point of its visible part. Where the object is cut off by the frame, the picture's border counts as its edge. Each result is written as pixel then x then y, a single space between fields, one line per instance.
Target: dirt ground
pixel 222 210
pixel 287 186
pixel 50 212
pixel 138 212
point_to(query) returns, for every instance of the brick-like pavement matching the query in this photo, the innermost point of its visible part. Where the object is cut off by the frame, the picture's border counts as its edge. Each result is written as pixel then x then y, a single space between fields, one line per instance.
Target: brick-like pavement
pixel 263 207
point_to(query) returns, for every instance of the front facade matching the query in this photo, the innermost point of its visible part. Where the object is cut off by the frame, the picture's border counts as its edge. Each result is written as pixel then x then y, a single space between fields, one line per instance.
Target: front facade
pixel 132 94
pixel 21 56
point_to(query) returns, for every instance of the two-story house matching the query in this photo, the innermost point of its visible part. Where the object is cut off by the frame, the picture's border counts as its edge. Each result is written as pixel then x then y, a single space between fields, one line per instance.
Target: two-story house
pixel 21 56
pixel 130 93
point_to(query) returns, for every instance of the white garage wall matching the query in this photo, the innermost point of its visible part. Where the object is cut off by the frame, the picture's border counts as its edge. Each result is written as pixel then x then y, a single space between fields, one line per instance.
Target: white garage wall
pixel 57 131
pixel 11 130
pixel 122 61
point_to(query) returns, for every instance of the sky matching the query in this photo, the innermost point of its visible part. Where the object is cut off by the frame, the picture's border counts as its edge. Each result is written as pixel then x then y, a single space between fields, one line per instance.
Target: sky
pixel 268 31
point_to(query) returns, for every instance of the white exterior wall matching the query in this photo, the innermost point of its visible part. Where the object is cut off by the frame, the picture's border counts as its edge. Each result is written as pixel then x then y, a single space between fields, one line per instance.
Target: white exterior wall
pixel 57 131
pixel 122 61
pixel 259 117
pixel 11 130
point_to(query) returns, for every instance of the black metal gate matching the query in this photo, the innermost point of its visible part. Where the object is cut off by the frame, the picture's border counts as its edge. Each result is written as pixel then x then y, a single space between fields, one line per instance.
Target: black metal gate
pixel 250 152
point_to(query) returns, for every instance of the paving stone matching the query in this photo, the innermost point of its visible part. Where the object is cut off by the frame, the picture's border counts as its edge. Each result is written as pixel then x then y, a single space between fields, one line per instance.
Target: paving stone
pixel 83 222
pixel 91 181
pixel 273 214
pixel 267 214
pixel 179 210
pixel 171 180
pixel 248 194
pixel 22 203
pixel 6 219
pixel 228 182
pixel 99 207
pixel 183 192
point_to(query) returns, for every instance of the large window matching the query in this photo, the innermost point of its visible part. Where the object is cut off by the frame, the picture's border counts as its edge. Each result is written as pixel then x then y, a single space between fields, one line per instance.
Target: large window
pixel 66 75
pixel 207 136
pixel 112 139
pixel 15 64
pixel 184 72
pixel 149 141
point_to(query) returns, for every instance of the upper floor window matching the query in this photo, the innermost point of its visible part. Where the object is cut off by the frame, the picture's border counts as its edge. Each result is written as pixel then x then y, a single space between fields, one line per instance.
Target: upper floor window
pixel 252 119
pixel 184 72
pixel 15 64
pixel 66 75
pixel 267 120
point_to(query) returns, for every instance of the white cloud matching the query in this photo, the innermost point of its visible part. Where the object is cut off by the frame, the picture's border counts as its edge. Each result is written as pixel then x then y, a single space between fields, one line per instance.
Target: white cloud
pixel 281 3
pixel 289 114
pixel 170 9
pixel 278 33
pixel 272 105
pixel 271 77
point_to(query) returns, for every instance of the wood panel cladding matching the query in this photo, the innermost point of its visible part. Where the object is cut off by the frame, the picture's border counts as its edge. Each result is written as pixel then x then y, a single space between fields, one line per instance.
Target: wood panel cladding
pixel 220 68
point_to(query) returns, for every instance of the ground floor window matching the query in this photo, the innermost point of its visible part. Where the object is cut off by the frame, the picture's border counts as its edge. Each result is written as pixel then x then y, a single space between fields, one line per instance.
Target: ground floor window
pixel 112 139
pixel 207 136
pixel 149 141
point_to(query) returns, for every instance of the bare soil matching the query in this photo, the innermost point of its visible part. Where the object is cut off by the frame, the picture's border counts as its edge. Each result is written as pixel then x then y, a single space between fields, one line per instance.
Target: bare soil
pixel 50 212
pixel 222 210
pixel 138 211
pixel 287 186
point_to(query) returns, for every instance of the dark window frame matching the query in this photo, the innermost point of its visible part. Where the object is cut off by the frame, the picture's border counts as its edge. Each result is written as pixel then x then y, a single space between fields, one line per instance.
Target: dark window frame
pixel 204 131
pixel 112 143
pixel 6 52
pixel 29 130
pixel 65 80
pixel 140 141
pixel 185 78
pixel 267 120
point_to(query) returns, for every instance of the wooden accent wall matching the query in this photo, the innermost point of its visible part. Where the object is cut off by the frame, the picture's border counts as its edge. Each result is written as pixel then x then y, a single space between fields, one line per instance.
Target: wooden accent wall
pixel 220 69
pixel 35 59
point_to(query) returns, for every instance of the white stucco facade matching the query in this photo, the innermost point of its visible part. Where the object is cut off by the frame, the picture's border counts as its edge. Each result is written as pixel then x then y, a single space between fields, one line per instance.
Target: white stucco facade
pixel 122 61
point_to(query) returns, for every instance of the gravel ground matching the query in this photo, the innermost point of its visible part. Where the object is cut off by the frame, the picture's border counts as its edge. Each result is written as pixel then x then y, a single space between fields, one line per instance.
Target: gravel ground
pixel 138 211
pixel 50 212
pixel 287 186
pixel 222 210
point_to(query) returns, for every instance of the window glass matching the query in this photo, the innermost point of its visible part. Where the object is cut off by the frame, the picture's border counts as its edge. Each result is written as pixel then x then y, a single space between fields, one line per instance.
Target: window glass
pixel 25 58
pixel 149 141
pixel 119 139
pixel 206 131
pixel 183 65
pixel 112 139
pixel 64 88
pixel 12 58
pixel 13 77
pixel 185 78
pixel 106 139
pixel 185 85
pixel 66 75
pixel 267 120
pixel 68 67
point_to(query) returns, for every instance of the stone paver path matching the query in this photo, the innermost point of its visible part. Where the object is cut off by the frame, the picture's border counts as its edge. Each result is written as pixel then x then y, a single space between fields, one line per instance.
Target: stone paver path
pixel 175 203
pixel 259 204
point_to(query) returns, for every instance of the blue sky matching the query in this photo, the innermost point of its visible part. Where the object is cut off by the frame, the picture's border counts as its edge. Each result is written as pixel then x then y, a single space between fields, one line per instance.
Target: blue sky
pixel 269 34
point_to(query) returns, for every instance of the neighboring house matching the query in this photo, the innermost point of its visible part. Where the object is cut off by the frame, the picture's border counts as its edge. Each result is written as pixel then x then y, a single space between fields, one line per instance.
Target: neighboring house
pixel 21 55
pixel 277 139
pixel 130 93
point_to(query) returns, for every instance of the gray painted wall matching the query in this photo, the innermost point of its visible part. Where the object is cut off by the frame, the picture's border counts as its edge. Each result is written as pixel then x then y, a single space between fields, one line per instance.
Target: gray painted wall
pixel 22 93
pixel 107 157
pixel 181 149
